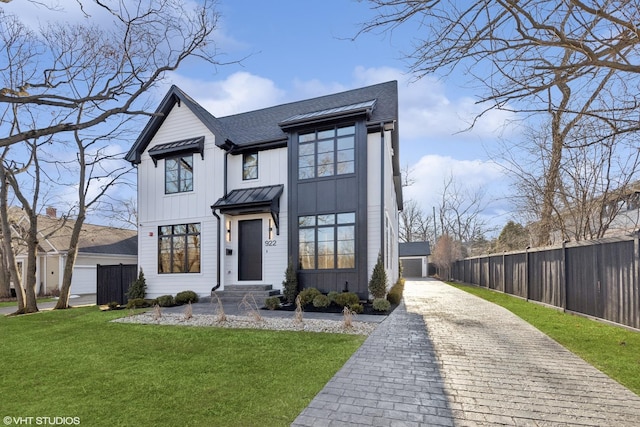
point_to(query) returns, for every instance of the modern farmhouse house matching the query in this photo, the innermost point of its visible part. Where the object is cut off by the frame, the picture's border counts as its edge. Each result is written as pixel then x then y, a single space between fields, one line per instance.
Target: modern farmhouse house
pixel 230 200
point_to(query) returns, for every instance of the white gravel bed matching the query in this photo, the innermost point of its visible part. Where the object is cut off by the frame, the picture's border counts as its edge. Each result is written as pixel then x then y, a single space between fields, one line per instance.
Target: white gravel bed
pixel 246 322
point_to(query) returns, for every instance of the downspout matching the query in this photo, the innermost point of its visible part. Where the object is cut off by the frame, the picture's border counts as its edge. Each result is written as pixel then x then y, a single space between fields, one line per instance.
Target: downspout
pixel 228 146
pixel 382 210
pixel 213 211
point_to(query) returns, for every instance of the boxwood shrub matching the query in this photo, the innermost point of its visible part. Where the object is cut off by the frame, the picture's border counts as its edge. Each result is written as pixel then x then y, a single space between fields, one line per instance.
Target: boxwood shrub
pixel 185 297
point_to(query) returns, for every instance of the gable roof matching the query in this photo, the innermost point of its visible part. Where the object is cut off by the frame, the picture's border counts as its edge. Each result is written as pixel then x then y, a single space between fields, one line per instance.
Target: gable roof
pixel 406 249
pixel 55 236
pixel 264 128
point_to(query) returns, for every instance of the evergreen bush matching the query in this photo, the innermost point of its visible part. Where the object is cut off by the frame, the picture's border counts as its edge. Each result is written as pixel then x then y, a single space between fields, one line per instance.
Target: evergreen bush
pixel 272 303
pixel 378 282
pixel 347 299
pixel 321 301
pixel 307 295
pixel 166 301
pixel 290 283
pixel 185 297
pixel 137 288
pixel 381 304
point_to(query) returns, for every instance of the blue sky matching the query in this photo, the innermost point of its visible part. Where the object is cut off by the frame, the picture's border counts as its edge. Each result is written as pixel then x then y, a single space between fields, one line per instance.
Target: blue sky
pixel 294 49
pixel 301 49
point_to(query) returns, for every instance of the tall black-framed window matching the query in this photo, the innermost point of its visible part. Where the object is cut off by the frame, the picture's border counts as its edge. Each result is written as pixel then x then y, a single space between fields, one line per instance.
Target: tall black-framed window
pixel 327 241
pixel 249 166
pixel 326 152
pixel 178 174
pixel 179 248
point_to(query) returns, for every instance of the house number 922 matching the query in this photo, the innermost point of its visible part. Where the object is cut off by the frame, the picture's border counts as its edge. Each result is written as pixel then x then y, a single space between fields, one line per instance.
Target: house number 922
pixel 270 242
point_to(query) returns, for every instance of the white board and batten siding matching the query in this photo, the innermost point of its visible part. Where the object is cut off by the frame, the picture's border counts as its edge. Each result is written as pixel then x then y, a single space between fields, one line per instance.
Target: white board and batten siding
pixel 272 170
pixel 374 211
pixel 155 208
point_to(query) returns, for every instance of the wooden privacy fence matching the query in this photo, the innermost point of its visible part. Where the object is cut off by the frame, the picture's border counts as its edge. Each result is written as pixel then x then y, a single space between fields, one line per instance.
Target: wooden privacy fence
pixel 113 282
pixel 599 278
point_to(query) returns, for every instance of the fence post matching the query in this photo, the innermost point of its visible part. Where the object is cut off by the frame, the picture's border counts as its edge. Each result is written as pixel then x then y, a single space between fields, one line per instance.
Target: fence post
pixel 526 273
pixel 636 279
pixel 563 287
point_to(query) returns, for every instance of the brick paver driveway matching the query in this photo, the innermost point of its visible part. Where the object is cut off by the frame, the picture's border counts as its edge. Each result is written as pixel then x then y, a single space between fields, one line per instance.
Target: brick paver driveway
pixel 445 357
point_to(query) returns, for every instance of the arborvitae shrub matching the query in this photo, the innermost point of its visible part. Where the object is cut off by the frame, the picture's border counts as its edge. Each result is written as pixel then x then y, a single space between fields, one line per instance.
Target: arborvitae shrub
pixel 378 282
pixel 290 283
pixel 138 288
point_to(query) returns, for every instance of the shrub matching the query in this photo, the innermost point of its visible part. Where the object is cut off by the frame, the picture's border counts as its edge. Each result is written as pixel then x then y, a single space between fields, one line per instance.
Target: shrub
pixel 138 303
pixel 137 288
pixel 332 296
pixel 347 299
pixel 272 303
pixel 395 293
pixel 307 295
pixel 185 297
pixel 381 304
pixel 378 282
pixel 357 308
pixel 321 301
pixel 166 301
pixel 290 283
pixel 113 305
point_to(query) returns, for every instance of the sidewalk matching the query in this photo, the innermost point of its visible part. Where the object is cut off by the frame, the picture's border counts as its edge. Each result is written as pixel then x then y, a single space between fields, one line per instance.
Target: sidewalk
pixel 445 357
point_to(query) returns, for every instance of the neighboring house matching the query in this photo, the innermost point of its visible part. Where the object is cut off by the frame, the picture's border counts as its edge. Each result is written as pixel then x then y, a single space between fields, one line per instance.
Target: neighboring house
pixel 97 245
pixel 414 257
pixel 229 200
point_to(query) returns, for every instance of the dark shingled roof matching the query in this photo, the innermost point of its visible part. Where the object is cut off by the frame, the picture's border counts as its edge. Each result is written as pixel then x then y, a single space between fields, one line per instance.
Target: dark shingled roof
pixel 254 128
pixel 407 249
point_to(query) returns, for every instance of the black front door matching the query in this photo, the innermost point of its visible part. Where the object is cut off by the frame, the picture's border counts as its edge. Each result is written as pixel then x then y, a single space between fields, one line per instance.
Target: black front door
pixel 250 250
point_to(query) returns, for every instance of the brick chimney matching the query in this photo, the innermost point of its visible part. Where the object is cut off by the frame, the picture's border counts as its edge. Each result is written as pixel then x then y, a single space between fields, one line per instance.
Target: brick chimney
pixel 52 212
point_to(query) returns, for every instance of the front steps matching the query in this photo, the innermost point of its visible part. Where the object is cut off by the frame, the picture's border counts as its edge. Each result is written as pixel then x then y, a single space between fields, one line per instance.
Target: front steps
pixel 235 293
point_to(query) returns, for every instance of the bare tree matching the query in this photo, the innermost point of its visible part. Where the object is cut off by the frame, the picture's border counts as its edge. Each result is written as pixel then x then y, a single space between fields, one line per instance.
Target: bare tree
pixel 415 225
pixel 72 81
pixel 459 211
pixel 104 66
pixel 446 251
pixel 572 60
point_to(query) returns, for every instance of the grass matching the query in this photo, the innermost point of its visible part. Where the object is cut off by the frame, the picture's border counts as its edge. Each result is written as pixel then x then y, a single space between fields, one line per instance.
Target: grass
pixel 76 363
pixel 15 303
pixel 612 349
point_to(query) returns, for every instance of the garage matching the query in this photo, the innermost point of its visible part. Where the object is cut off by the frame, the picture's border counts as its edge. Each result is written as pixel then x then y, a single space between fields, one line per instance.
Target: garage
pixel 412 267
pixel 83 280
pixel 414 257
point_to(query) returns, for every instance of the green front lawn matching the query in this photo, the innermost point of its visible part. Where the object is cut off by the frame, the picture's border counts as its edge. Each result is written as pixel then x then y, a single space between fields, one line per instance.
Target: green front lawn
pixel 75 363
pixel 15 303
pixel 612 349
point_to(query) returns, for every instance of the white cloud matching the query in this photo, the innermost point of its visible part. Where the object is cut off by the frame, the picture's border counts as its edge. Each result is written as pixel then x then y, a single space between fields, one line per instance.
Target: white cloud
pixel 239 92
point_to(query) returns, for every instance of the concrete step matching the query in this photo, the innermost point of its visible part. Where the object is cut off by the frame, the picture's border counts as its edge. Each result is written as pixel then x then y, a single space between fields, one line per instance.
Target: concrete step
pixel 236 293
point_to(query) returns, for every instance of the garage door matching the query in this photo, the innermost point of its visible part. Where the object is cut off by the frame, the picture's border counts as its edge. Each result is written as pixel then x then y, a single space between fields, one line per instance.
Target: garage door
pixel 412 267
pixel 83 280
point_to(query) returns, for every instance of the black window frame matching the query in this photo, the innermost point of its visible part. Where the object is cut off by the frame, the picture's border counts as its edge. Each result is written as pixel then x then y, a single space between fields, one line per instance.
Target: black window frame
pixel 246 166
pixel 175 237
pixel 317 145
pixel 184 182
pixel 316 225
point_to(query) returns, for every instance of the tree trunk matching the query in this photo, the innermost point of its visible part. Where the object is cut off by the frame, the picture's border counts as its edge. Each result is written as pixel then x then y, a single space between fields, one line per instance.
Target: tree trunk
pixel 5 276
pixel 31 305
pixel 65 289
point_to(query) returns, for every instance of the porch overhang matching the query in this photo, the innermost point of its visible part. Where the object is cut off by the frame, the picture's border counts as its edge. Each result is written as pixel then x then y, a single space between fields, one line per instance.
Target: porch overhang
pixel 252 200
